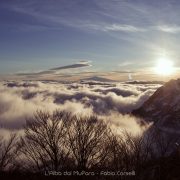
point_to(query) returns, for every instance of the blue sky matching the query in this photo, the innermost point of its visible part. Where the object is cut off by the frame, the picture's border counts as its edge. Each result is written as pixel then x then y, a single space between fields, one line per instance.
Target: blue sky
pixel 111 34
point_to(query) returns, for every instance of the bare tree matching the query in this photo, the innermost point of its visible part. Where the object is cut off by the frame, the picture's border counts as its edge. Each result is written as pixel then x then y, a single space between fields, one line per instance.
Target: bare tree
pixel 130 152
pixel 62 140
pixel 9 152
pixel 88 139
pixel 44 143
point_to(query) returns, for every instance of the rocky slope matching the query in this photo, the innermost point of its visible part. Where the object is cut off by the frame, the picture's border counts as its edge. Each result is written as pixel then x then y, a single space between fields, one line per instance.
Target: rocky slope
pixel 163 107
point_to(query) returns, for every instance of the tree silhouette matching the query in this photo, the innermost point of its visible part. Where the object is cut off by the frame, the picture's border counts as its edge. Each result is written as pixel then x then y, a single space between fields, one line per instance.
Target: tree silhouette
pixel 61 141
pixel 44 143
pixel 88 138
pixel 9 152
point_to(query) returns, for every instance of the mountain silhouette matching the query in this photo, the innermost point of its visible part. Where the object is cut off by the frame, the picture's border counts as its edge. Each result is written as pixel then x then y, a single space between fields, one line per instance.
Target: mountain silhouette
pixel 163 107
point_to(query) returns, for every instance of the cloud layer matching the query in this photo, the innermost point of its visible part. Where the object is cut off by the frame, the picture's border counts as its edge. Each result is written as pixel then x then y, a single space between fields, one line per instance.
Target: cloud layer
pixel 112 101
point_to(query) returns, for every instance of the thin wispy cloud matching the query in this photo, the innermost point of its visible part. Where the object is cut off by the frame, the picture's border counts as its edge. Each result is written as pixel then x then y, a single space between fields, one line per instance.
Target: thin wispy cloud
pixel 118 27
pixel 125 64
pixel 138 17
pixel 169 29
pixel 57 20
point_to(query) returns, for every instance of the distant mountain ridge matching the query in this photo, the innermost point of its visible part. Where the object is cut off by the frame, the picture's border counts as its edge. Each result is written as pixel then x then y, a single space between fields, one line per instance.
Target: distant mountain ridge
pixel 98 78
pixel 144 82
pixel 163 107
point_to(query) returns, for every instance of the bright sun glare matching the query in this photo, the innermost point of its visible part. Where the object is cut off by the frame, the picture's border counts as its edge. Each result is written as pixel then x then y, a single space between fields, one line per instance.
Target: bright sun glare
pixel 164 67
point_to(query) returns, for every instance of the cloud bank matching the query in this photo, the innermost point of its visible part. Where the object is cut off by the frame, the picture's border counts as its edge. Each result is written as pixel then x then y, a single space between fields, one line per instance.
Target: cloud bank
pixel 112 101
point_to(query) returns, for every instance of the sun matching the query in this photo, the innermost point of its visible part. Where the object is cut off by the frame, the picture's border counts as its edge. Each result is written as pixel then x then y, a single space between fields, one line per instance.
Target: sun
pixel 164 67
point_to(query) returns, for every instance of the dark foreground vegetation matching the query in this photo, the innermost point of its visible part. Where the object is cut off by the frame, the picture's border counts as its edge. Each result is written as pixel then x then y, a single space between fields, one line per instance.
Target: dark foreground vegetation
pixel 65 146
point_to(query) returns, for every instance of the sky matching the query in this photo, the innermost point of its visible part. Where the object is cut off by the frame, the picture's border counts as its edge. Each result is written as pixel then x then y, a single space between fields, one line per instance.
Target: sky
pixel 111 35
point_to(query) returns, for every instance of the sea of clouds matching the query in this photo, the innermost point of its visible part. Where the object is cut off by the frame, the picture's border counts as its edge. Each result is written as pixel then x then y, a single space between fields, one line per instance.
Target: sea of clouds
pixel 113 102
